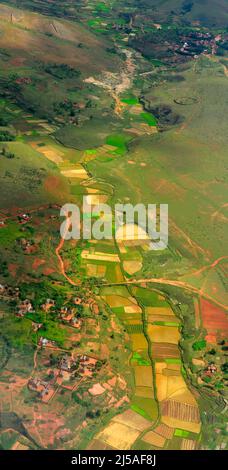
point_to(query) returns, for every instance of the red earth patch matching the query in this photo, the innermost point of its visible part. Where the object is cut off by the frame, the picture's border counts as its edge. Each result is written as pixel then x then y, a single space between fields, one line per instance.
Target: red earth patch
pixel 38 262
pixel 47 271
pixel 214 319
pixel 12 268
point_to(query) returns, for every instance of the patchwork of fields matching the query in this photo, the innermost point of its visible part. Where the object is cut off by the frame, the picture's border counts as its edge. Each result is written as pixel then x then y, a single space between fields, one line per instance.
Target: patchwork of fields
pixel 106 344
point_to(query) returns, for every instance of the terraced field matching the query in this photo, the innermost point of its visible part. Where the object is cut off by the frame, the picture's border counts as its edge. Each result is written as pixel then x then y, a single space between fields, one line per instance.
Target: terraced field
pixel 106 344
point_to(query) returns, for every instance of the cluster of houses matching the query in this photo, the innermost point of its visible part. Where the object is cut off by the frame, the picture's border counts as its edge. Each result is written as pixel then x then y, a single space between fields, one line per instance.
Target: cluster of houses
pixel 48 304
pixel 9 293
pixel 44 389
pixel 44 342
pixel 67 364
pixel 92 304
pixel 196 43
pixel 28 246
pixel 89 302
pixel 23 218
pixel 25 306
pixel 68 374
pixel 87 366
pixel 68 314
pixel 83 364
pixel 23 81
pixel 210 371
pixel 36 326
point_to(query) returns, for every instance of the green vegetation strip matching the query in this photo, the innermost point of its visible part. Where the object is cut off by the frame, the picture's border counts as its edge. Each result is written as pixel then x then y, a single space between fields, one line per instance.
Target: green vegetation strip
pixel 149 118
pixel 181 433
pixel 165 323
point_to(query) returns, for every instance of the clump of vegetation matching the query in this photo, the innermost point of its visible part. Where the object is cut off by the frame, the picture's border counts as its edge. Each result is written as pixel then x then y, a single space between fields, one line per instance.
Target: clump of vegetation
pixel 222 48
pixel 6 136
pixel 7 154
pixel 4 121
pixel 164 114
pixel 224 368
pixel 199 345
pixel 62 71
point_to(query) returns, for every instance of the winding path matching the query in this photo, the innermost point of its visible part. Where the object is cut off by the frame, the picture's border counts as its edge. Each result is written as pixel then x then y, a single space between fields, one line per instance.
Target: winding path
pixel 61 262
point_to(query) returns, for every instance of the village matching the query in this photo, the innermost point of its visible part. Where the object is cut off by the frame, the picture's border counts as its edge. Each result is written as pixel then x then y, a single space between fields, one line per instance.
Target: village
pixel 70 367
pixel 81 369
pixel 68 373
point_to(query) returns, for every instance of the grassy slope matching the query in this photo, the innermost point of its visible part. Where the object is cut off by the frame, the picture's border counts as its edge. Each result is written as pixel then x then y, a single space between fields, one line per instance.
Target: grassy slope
pixel 52 40
pixel 29 178
pixel 207 12
pixel 185 166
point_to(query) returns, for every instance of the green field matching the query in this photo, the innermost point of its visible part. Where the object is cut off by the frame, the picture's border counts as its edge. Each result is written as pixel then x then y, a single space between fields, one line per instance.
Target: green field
pixel 123 101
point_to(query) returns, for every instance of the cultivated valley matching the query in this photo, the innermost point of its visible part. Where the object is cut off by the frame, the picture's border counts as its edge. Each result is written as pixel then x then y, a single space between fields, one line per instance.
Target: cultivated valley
pixel 105 344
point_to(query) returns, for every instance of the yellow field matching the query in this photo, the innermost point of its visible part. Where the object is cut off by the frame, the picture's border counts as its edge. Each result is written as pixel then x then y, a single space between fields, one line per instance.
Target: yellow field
pixel 175 384
pixel 160 367
pixel 109 257
pixel 79 173
pixel 178 405
pixel 95 270
pixel 172 386
pixel 131 232
pixel 133 309
pixel 161 384
pixel 132 419
pixel 183 395
pixel 154 439
pixel 171 372
pixel 94 200
pixel 163 334
pixel 144 392
pixel 118 301
pixel 123 430
pixel 185 425
pixel 174 366
pixel 165 318
pixel 92 190
pixel 132 267
pixel 136 321
pixel 138 341
pixel 119 435
pixel 143 376
pixel 159 311
pixel 49 152
pixel 118 273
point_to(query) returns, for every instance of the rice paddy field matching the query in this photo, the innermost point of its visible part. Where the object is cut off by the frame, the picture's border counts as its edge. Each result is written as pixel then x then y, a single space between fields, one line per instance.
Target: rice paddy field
pixel 87 114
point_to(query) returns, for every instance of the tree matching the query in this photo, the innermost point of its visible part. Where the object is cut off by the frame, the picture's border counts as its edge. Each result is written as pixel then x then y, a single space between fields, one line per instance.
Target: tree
pixel 212 352
pixel 224 368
